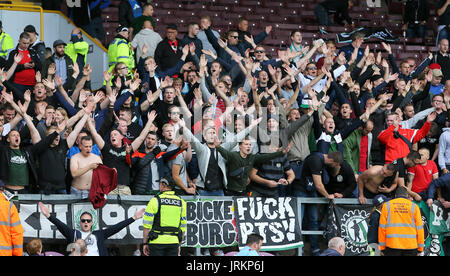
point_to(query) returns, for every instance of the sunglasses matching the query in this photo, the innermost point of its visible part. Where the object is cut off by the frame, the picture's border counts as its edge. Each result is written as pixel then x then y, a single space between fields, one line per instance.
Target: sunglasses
pixel 259 52
pixel 235 37
pixel 311 68
pixel 86 220
pixel 122 68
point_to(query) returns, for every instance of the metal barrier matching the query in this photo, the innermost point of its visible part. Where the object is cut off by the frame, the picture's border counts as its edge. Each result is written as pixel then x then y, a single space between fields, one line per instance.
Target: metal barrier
pixel 27 8
pixel 300 201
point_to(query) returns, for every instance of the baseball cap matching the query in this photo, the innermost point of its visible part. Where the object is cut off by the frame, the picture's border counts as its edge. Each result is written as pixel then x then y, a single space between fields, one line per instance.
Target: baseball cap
pixel 30 29
pixel 306 103
pixel 379 199
pixel 168 180
pixel 437 73
pixel 58 42
pixel 435 66
pixel 122 29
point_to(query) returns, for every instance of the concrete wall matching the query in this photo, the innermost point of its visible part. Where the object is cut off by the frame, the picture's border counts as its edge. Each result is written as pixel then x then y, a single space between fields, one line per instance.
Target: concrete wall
pixel 55 27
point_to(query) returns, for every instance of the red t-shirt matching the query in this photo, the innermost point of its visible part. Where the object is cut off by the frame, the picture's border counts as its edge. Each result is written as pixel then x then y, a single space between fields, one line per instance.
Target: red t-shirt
pixel 26 76
pixel 423 175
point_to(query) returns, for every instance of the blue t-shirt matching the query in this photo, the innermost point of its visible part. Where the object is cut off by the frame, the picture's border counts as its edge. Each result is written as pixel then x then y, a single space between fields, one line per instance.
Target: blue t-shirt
pixel 247 251
pixel 435 90
pixel 75 149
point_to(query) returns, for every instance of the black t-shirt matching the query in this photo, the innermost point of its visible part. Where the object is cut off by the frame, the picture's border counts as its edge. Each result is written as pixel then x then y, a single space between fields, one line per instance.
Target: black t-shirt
pixel 52 164
pixel 313 165
pixel 162 109
pixel 214 176
pixel 133 131
pixel 401 168
pixel 116 158
pixel 344 182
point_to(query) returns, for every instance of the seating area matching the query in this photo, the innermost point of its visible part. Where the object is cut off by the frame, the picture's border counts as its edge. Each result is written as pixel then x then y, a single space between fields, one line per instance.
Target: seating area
pixel 284 16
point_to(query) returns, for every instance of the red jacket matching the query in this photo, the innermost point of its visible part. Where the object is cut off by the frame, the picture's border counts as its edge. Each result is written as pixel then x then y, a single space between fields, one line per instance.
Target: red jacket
pixel 397 148
pixel 104 180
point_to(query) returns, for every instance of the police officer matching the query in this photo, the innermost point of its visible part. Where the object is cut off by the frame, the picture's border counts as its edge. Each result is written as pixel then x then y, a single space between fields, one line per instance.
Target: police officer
pixel 77 49
pixel 164 221
pixel 120 50
pixel 6 44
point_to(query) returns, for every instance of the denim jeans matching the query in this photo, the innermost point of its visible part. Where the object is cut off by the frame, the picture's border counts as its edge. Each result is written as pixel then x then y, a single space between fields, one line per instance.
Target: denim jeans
pixel 82 193
pixel 210 193
pixel 443 33
pixel 415 31
pixel 312 218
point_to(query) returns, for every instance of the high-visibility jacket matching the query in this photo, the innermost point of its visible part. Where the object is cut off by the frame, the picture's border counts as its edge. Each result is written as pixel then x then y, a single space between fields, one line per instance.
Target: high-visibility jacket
pixel 171 217
pixel 6 45
pixel 75 48
pixel 120 51
pixel 11 231
pixel 401 225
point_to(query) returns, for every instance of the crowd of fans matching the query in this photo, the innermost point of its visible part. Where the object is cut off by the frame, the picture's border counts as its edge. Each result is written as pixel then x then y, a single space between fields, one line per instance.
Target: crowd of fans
pixel 223 117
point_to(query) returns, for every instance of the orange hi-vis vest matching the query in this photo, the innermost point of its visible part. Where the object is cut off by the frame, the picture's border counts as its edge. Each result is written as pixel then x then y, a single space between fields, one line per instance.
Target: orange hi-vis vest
pixel 11 231
pixel 401 225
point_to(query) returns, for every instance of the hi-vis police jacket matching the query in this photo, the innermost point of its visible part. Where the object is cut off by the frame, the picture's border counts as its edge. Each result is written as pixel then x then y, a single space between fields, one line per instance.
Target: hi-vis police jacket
pixel 172 215
pixel 120 51
pixel 6 45
pixel 401 225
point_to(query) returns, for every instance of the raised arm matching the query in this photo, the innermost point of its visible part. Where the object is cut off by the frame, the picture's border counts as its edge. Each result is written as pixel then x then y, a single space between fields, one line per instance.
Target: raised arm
pixel 97 138
pixel 140 139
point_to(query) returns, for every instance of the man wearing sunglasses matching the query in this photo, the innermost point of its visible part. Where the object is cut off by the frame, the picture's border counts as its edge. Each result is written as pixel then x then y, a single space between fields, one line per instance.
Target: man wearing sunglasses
pixel 95 240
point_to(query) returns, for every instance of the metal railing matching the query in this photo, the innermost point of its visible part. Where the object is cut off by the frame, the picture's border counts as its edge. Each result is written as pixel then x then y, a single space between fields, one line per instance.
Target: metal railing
pixel 300 201
pixel 26 8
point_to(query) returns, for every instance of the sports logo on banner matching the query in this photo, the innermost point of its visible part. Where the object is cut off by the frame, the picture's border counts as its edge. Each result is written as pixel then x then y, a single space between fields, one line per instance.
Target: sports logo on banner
pixel 275 219
pixel 349 222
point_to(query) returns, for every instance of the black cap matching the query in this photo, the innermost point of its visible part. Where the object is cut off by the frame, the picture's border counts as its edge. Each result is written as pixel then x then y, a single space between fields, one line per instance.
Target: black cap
pixel 172 27
pixel 30 29
pixel 1 24
pixel 58 42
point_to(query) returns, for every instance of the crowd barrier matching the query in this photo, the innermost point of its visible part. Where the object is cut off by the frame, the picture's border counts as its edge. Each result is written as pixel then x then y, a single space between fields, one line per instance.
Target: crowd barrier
pixel 212 221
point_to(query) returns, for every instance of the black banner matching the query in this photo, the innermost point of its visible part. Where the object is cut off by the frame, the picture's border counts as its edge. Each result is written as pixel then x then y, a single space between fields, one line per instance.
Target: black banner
pixel 349 222
pixel 276 219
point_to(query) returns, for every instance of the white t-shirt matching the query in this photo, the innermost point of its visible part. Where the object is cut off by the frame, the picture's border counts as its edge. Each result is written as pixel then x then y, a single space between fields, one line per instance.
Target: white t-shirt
pixel 91 243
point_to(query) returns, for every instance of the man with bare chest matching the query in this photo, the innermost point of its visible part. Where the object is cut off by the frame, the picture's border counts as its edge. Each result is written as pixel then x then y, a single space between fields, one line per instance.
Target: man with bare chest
pixel 81 166
pixel 376 180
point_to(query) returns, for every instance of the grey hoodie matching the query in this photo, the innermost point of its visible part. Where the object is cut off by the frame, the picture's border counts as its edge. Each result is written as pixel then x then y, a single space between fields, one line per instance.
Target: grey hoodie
pixel 444 149
pixel 149 37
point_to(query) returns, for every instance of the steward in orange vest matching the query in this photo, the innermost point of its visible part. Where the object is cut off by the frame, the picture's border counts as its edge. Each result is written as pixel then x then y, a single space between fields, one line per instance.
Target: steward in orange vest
pixel 401 232
pixel 11 231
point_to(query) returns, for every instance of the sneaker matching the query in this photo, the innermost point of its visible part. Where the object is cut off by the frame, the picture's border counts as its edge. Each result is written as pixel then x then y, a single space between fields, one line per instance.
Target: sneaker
pixel 137 252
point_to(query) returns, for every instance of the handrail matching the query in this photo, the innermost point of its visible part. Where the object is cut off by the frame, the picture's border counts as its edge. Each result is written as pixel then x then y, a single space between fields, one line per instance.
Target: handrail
pixel 83 31
pixel 19 7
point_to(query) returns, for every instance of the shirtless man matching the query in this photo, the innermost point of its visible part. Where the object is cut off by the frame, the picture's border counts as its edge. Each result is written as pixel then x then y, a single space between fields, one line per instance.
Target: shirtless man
pixel 81 166
pixel 376 180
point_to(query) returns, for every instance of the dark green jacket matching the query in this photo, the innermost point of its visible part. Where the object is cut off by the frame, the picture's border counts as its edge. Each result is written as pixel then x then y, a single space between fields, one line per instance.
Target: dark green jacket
pixel 238 168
